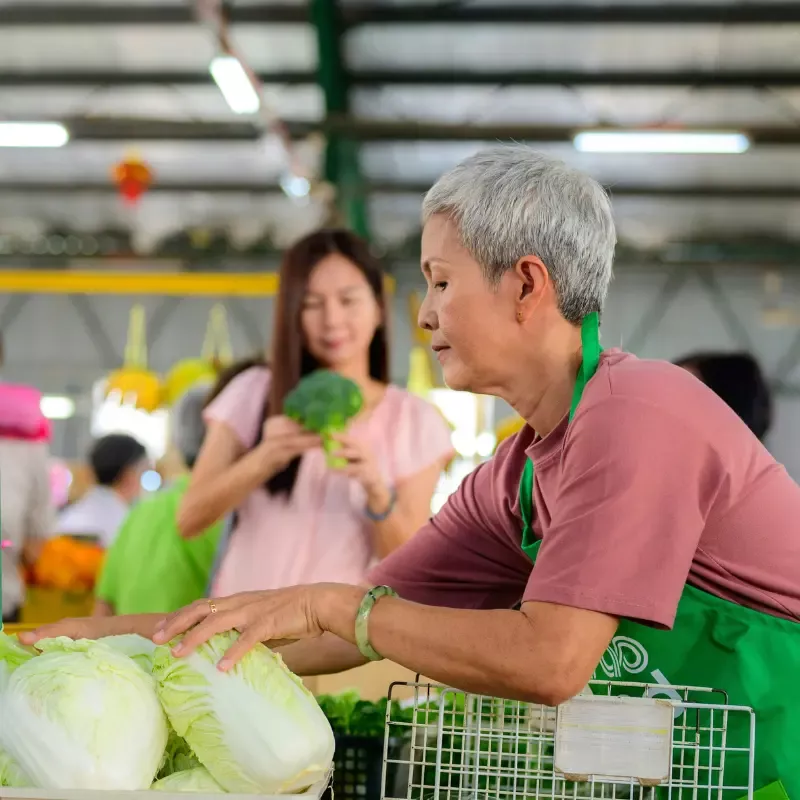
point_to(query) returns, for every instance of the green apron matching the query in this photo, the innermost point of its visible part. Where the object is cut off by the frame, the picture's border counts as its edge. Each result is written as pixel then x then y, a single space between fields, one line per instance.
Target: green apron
pixel 751 656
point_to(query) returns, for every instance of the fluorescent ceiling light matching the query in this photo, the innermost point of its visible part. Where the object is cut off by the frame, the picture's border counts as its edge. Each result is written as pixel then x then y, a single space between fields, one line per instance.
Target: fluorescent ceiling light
pixel 57 407
pixel 231 78
pixel 661 142
pixel 33 134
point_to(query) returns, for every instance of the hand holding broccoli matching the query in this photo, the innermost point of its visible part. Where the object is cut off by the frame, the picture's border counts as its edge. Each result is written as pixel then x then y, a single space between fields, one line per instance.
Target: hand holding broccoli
pixel 360 464
pixel 324 402
pixel 284 440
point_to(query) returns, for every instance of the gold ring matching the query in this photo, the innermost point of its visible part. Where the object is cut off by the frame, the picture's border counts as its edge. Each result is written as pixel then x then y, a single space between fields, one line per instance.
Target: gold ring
pixel 213 606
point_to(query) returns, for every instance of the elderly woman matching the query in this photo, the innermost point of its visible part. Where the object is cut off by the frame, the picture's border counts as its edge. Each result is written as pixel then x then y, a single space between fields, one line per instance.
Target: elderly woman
pixel 634 514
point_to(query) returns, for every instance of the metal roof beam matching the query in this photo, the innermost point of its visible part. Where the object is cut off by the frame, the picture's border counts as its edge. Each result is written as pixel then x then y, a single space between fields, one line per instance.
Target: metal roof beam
pixel 21 13
pixel 673 13
pixel 88 77
pixel 676 13
pixel 363 130
pixel 734 192
pixel 728 78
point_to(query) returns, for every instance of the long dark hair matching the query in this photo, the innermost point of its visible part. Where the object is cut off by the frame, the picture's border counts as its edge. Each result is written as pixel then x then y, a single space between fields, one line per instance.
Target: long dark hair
pixel 230 372
pixel 736 378
pixel 291 360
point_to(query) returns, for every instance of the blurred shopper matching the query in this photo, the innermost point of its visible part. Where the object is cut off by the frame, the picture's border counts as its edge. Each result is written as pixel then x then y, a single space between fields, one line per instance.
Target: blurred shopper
pixel 27 509
pixel 737 379
pixel 297 520
pixel 149 568
pixel 117 461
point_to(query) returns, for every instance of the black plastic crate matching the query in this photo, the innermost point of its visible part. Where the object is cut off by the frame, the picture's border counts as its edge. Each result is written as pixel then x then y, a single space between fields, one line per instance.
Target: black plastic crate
pixel 357 769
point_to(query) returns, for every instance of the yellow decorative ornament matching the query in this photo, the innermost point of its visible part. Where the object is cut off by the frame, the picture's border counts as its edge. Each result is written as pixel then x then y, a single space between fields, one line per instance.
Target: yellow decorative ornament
pixel 422 373
pixel 508 427
pixel 133 381
pixel 216 353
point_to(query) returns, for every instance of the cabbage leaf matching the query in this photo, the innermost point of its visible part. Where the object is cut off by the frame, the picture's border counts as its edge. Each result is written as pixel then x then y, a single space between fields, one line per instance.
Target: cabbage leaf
pixel 197 779
pixel 134 646
pixel 256 728
pixel 82 715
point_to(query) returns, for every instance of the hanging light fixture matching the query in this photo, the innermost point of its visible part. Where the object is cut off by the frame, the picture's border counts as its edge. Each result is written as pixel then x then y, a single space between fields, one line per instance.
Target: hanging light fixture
pixel 661 141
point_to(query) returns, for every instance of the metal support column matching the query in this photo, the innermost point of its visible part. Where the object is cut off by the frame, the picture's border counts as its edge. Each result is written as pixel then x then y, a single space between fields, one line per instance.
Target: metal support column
pixel 342 165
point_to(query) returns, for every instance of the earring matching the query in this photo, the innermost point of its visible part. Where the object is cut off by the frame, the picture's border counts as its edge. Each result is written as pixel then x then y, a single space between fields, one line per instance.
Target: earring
pixel 519 316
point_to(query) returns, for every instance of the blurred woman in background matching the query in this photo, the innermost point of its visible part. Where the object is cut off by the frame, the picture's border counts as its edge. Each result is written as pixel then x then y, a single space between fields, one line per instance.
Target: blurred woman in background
pixel 297 520
pixel 27 514
pixel 738 380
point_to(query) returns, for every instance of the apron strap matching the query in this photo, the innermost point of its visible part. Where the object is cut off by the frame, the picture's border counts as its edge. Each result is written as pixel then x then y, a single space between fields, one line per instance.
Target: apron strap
pixel 590 360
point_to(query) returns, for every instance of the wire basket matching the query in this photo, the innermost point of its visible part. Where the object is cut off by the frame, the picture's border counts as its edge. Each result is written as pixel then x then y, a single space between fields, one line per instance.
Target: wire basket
pixel 460 745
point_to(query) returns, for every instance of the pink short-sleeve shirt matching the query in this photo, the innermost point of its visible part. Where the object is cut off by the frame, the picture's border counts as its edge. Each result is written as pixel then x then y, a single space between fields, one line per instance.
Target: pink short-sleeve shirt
pixel 656 483
pixel 320 532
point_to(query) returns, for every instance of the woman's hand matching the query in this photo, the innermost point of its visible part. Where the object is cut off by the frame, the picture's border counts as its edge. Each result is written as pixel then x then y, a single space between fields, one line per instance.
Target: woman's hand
pixel 94 628
pixel 362 466
pixel 274 617
pixel 284 440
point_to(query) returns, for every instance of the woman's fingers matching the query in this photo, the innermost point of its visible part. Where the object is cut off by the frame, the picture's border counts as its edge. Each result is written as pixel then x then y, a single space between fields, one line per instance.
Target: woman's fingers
pixel 213 624
pixel 275 644
pixel 249 638
pixel 351 452
pixel 71 628
pixel 181 621
pixel 306 441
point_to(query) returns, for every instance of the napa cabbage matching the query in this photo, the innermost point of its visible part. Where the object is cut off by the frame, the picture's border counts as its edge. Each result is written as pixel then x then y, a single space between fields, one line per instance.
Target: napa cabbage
pixel 197 779
pixel 12 655
pixel 255 728
pixel 134 646
pixel 82 715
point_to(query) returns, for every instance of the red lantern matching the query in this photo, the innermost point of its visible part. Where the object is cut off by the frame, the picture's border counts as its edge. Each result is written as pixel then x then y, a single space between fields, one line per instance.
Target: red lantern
pixel 133 178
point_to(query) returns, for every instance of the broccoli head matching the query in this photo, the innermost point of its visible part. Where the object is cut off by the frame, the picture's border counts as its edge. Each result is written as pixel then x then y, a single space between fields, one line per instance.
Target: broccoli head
pixel 324 402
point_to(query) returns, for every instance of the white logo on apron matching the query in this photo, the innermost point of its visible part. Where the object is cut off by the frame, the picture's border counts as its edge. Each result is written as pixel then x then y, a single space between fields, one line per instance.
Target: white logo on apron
pixel 626 655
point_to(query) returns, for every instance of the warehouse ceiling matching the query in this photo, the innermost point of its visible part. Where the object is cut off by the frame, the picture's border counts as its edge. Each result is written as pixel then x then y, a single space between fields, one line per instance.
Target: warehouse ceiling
pixel 380 98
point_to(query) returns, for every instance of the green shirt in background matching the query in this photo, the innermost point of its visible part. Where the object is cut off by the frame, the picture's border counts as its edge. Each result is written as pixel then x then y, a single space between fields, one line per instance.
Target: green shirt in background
pixel 149 568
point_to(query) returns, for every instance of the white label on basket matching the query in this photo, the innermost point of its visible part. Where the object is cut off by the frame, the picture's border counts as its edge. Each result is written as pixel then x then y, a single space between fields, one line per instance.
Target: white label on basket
pixel 614 737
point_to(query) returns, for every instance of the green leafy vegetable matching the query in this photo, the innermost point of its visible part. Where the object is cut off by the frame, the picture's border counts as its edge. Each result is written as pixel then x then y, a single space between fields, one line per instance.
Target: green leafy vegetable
pixel 12 653
pixel 82 716
pixel 351 716
pixel 10 774
pixel 255 728
pixel 178 756
pixel 324 402
pixel 197 779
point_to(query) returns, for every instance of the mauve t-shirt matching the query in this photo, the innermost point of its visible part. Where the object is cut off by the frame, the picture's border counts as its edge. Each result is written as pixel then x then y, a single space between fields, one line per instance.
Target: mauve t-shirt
pixel 656 482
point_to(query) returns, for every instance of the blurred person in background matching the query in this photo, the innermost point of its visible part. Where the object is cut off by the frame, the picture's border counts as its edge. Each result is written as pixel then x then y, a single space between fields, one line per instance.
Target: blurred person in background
pixel 27 508
pixel 118 461
pixel 737 379
pixel 297 520
pixel 149 567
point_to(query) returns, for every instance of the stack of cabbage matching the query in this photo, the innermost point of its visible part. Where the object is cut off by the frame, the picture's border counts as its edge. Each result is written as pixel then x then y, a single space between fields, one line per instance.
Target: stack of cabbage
pixel 122 714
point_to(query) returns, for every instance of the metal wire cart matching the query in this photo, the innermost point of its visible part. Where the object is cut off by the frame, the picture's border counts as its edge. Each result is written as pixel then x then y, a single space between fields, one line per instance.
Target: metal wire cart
pixel 621 741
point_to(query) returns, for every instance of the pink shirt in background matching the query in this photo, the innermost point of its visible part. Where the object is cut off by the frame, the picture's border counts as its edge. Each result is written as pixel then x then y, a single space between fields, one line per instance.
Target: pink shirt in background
pixel 320 533
pixel 655 483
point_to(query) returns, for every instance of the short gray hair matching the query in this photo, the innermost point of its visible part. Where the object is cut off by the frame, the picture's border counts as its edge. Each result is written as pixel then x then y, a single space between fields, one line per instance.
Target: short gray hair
pixel 188 427
pixel 510 201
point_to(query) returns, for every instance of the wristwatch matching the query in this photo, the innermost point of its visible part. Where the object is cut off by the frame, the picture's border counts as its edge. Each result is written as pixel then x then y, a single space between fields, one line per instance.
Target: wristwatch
pixel 362 620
